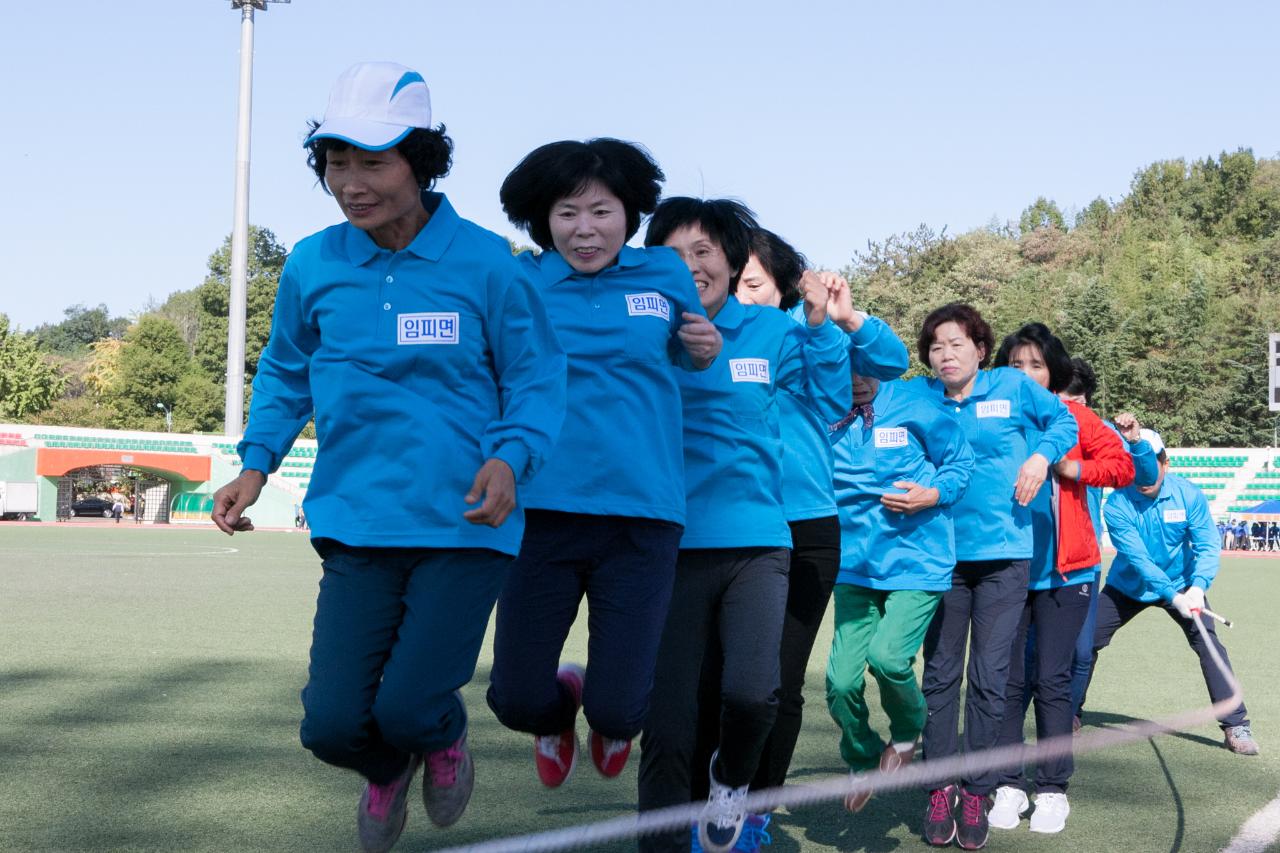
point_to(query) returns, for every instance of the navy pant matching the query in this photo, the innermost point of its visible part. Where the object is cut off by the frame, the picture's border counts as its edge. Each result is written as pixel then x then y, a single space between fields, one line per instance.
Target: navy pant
pixel 1115 609
pixel 983 607
pixel 1082 668
pixel 1056 615
pixel 397 632
pixel 739 596
pixel 625 568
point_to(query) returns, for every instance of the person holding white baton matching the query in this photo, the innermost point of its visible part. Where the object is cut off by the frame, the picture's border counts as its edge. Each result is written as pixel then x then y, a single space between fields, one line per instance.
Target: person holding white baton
pixel 1167 554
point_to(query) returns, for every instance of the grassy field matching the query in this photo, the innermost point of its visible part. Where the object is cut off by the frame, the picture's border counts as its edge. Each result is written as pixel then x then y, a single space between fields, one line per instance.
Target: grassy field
pixel 149 686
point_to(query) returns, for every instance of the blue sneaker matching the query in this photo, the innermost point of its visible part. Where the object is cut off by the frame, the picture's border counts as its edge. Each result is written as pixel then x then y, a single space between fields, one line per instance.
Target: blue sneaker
pixel 753 835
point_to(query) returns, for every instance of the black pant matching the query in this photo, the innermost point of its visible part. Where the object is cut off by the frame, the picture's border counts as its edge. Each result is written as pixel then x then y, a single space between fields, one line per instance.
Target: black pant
pixel 984 606
pixel 625 568
pixel 1115 609
pixel 815 563
pixel 737 595
pixel 1057 615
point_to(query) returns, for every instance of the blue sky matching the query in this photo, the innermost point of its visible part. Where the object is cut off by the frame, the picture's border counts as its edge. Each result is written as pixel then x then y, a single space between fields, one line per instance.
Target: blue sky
pixel 839 122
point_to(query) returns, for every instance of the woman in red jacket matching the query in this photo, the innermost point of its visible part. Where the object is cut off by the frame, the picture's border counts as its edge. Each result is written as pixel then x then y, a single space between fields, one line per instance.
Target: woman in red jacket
pixel 1066 562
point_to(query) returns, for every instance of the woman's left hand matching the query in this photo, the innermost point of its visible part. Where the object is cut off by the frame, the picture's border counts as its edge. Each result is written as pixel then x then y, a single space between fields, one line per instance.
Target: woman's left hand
pixel 1031 477
pixel 1067 469
pixel 915 498
pixel 815 288
pixel 701 339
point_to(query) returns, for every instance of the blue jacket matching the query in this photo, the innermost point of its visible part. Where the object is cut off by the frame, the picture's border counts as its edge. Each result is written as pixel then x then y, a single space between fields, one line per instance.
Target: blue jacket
pixel 1163 545
pixel 911 438
pixel 732 447
pixel 807 460
pixel 419 365
pixel 620 452
pixel 1044 571
pixel 1006 418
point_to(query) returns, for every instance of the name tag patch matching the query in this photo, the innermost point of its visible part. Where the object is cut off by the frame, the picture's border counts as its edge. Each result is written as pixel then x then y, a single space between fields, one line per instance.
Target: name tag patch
pixel 749 370
pixel 993 409
pixel 648 305
pixel 440 327
pixel 891 436
pixel 1175 516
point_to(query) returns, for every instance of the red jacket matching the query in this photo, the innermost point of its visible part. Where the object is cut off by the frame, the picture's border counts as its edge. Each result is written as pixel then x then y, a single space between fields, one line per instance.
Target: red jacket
pixel 1104 461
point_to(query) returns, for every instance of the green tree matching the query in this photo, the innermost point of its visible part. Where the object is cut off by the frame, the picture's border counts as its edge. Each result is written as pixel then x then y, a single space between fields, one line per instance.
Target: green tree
pixel 153 360
pixel 28 383
pixel 266 260
pixel 1042 213
pixel 82 326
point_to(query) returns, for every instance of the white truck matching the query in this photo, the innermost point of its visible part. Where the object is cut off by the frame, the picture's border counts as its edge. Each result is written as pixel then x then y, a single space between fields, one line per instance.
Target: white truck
pixel 17 500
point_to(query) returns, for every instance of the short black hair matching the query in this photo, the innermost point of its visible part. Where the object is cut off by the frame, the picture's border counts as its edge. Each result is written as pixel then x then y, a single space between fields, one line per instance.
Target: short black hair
pixel 1051 350
pixel 782 262
pixel 1084 382
pixel 729 223
pixel 429 153
pixel 966 317
pixel 561 169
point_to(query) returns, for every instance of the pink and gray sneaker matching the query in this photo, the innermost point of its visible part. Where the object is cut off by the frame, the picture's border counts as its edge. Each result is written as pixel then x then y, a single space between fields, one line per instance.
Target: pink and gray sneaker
pixel 447 782
pixel 382 812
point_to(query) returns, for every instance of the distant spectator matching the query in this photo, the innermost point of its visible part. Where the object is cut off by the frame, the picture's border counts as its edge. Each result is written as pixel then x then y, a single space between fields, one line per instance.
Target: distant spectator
pixel 117 508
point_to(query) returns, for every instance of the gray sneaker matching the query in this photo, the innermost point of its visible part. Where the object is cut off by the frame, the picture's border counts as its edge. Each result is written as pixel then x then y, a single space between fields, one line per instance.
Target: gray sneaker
pixel 447 782
pixel 1239 739
pixel 382 812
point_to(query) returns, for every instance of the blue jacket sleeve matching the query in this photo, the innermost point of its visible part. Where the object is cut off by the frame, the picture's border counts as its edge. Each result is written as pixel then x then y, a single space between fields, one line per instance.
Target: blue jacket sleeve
pixel 1122 525
pixel 952 458
pixel 875 351
pixel 1206 546
pixel 281 404
pixel 1146 468
pixel 532 373
pixel 815 368
pixel 1051 418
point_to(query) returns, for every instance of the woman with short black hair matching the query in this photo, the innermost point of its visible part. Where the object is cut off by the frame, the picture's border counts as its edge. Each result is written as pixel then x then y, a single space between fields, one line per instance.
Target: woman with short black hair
pixel 605 516
pixel 1063 570
pixel 731 575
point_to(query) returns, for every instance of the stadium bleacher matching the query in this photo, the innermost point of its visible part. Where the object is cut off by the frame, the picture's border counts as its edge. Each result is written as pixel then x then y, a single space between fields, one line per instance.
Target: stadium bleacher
pixel 140 445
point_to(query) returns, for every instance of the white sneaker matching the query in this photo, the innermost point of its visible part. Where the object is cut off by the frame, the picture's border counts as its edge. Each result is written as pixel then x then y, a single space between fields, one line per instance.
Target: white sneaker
pixel 1051 813
pixel 1010 804
pixel 722 818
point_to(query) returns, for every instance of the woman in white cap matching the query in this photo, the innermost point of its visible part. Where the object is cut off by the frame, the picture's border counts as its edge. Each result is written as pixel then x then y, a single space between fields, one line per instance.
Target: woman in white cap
pixel 437 385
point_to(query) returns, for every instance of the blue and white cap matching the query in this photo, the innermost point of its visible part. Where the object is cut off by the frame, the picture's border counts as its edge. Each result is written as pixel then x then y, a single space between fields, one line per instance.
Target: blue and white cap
pixel 374 105
pixel 1152 438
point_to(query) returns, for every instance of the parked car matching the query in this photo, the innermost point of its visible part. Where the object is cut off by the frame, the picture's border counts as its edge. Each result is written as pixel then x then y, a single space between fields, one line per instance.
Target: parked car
pixel 92 506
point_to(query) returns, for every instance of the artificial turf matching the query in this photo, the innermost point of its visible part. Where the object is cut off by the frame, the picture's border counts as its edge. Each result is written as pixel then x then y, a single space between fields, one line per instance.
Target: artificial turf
pixel 149 686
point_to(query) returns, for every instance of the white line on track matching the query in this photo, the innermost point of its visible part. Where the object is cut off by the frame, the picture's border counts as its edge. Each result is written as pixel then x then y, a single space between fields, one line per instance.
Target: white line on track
pixel 203 552
pixel 1259 832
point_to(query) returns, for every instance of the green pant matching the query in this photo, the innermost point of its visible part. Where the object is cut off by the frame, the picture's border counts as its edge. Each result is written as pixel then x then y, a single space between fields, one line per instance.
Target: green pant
pixel 880 630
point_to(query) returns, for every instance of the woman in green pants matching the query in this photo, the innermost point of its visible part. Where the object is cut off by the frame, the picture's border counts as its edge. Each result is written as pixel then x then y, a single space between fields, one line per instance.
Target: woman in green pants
pixel 901 462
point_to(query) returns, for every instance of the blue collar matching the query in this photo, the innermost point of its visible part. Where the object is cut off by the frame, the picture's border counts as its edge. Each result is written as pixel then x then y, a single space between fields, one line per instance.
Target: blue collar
pixel 981 387
pixel 731 314
pixel 556 269
pixel 430 242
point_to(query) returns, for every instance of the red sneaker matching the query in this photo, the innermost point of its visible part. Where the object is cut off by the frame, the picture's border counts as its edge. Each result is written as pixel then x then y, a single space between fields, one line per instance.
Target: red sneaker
pixel 609 755
pixel 556 755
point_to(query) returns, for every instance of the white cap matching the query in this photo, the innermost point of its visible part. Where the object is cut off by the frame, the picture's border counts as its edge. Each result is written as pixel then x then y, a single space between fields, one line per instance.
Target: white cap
pixel 374 105
pixel 1152 438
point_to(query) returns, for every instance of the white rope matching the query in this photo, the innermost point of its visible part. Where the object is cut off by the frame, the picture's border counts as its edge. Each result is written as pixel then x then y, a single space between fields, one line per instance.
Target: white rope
pixel 920 774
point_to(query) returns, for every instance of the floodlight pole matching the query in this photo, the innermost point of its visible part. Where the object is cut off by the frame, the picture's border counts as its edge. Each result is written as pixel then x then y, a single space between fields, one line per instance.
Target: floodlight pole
pixel 233 422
